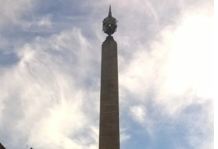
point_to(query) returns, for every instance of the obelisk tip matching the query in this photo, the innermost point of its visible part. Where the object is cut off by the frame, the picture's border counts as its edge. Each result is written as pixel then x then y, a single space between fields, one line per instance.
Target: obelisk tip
pixel 110 13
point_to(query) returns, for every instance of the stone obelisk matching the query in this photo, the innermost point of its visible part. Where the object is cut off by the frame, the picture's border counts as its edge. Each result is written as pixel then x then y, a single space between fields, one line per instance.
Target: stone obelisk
pixel 1 146
pixel 109 136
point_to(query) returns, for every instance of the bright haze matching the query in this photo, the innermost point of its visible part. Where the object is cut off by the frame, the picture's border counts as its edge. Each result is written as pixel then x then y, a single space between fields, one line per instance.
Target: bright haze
pixel 50 56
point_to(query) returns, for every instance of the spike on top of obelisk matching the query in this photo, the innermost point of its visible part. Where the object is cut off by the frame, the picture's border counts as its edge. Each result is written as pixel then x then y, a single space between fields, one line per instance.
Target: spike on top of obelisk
pixel 110 13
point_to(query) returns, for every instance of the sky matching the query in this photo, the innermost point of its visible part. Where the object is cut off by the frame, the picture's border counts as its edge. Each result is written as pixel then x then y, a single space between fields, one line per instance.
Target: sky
pixel 50 52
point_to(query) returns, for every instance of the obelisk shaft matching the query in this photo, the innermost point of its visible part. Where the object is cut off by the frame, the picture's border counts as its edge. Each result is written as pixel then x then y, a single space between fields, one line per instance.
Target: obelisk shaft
pixel 109 97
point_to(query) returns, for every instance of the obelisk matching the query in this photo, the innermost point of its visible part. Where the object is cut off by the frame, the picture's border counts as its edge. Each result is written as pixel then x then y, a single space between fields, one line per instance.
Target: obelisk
pixel 109 136
pixel 1 146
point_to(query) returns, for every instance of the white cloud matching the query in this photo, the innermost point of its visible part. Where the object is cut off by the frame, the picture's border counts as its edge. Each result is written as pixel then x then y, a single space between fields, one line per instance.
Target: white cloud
pixel 45 22
pixel 176 66
pixel 52 92
pixel 138 113
pixel 50 104
pixel 11 11
pixel 173 72
pixel 124 136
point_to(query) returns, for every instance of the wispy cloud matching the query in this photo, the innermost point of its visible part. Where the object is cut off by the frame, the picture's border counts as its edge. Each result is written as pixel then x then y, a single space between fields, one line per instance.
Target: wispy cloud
pixel 50 70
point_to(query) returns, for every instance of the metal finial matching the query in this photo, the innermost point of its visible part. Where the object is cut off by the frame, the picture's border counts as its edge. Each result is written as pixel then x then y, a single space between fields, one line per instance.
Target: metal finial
pixel 110 13
pixel 109 23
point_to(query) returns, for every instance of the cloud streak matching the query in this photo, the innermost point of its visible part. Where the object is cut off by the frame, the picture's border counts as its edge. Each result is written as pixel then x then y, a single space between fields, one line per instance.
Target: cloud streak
pixel 50 70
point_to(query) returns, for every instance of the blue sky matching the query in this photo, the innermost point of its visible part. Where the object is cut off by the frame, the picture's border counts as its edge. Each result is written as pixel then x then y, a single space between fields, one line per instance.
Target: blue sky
pixel 50 53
